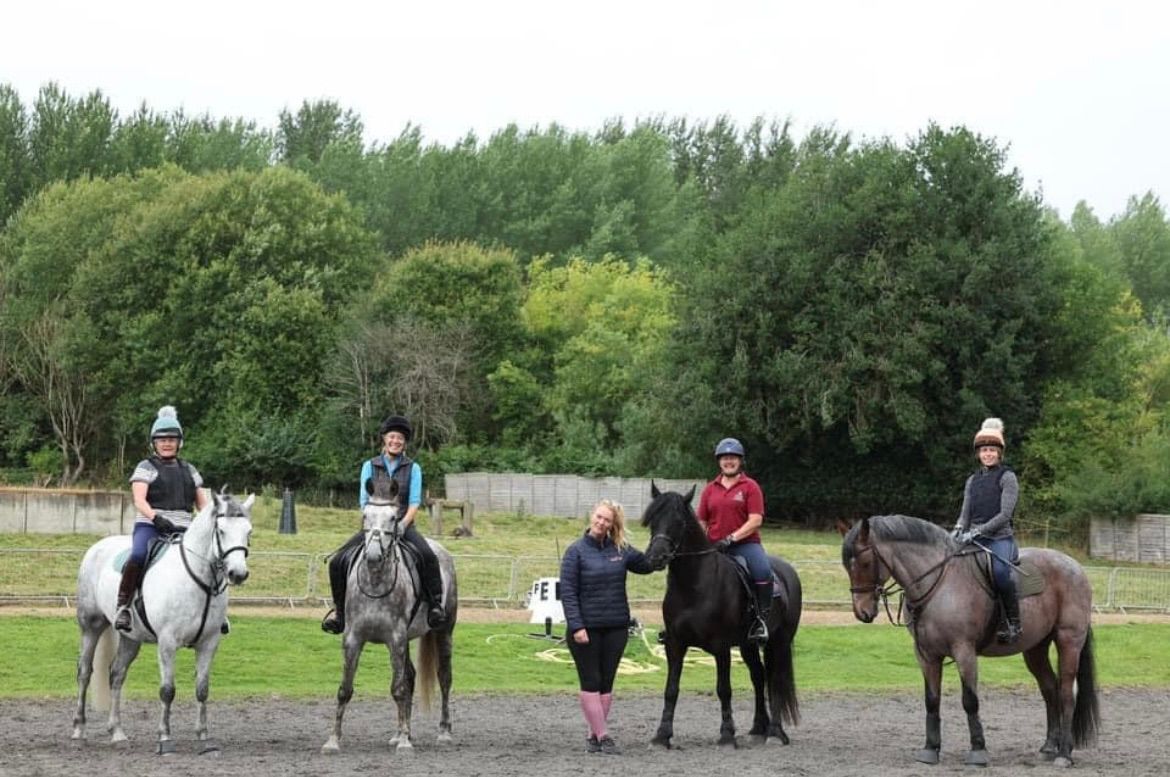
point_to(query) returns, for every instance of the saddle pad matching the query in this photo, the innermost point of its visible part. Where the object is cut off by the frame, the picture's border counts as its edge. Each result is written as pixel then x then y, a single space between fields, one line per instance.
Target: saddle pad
pixel 153 553
pixel 1029 579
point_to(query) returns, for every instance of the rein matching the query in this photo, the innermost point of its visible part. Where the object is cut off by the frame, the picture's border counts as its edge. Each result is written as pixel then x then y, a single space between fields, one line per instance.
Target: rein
pixel 913 604
pixel 217 567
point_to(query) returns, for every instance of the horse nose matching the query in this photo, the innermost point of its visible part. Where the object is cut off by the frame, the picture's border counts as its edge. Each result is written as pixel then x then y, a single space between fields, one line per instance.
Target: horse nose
pixel 238 577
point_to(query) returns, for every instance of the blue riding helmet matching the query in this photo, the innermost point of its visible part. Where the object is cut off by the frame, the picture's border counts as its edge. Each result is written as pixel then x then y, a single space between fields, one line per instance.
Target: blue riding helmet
pixel 729 446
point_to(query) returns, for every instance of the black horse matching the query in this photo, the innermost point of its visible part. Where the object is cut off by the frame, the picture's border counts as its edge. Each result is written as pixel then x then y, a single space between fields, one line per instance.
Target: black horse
pixel 707 606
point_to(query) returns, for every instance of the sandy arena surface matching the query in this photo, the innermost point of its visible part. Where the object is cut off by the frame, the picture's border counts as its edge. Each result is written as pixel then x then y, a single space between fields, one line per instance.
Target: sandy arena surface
pixel 841 734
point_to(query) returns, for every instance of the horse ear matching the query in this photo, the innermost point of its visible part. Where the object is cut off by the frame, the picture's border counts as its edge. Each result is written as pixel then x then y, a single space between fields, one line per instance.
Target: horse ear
pixel 247 505
pixel 689 496
pixel 654 492
pixel 393 488
pixel 863 535
pixel 369 486
pixel 843 527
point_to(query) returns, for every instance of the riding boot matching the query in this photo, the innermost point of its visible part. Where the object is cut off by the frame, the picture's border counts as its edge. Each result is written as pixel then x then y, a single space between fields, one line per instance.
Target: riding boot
pixel 433 583
pixel 759 630
pixel 130 575
pixel 334 620
pixel 1009 632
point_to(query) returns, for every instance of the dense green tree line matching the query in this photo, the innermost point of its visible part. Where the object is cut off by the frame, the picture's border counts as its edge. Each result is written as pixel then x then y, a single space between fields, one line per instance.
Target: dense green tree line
pixel 609 302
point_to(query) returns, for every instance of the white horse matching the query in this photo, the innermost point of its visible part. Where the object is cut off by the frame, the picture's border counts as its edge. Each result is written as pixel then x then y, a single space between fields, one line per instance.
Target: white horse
pixel 383 604
pixel 185 600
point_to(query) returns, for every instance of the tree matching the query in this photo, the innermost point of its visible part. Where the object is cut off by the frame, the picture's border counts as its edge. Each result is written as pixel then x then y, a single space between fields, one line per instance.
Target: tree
pixel 1142 236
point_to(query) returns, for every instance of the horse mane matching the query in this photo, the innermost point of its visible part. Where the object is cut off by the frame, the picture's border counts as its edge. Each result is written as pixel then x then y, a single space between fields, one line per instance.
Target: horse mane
pixel 894 528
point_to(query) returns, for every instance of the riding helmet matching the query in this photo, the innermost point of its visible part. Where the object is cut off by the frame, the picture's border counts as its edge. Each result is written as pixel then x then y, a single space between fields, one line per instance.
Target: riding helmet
pixel 398 423
pixel 991 433
pixel 729 446
pixel 167 424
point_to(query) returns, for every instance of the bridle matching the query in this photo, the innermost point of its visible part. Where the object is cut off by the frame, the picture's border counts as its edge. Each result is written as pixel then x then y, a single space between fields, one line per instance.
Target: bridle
pixel 385 549
pixel 914 604
pixel 217 566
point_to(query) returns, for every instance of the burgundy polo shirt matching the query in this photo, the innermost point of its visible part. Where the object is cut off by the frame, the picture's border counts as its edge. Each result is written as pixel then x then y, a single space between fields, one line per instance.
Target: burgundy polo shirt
pixel 726 509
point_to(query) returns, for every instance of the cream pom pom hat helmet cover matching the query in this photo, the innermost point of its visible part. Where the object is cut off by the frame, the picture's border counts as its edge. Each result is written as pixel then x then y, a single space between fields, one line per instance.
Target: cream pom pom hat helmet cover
pixel 991 433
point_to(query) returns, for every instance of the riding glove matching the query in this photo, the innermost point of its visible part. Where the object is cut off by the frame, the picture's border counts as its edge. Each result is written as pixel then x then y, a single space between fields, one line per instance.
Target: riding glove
pixel 969 536
pixel 724 543
pixel 164 525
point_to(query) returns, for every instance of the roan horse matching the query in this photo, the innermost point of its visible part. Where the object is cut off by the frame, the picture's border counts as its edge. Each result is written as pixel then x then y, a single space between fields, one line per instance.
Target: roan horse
pixel 383 604
pixel 706 606
pixel 950 612
pixel 185 600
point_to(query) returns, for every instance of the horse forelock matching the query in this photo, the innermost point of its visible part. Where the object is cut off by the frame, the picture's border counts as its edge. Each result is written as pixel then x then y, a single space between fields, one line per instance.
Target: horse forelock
pixel 667 505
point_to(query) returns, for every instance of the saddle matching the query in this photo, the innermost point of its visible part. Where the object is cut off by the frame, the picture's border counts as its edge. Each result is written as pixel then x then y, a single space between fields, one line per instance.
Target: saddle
pixel 1029 579
pixel 749 585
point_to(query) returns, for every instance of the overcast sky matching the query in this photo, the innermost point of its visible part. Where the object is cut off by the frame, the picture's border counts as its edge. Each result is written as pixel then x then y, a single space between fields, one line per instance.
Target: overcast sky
pixel 1080 91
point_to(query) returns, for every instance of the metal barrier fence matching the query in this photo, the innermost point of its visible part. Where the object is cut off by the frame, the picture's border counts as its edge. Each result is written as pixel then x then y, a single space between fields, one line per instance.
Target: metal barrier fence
pixel 50 575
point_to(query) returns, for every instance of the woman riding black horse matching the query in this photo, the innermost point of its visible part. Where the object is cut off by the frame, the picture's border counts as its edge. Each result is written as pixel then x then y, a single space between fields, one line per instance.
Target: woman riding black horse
pixel 707 606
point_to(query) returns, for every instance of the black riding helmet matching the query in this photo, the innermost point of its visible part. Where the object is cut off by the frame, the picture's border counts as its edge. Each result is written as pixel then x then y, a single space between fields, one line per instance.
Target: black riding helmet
pixel 396 423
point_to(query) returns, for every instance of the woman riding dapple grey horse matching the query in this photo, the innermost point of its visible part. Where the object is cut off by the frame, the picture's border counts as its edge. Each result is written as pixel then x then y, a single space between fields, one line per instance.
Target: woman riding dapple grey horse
pixel 392 462
pixel 164 488
pixel 989 501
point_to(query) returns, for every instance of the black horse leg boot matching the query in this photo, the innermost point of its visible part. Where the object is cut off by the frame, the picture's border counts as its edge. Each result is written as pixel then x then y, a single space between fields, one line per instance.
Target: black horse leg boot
pixel 130 573
pixel 759 630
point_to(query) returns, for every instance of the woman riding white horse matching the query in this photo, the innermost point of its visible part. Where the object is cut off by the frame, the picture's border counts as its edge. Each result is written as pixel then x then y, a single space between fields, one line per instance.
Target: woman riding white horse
pixel 164 488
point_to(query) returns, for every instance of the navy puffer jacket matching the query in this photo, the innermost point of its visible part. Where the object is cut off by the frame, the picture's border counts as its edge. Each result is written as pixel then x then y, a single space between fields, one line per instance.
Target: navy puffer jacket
pixel 593 583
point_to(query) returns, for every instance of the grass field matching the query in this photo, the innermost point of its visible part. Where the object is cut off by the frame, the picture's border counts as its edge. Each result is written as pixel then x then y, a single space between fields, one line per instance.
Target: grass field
pixel 293 658
pixel 506 553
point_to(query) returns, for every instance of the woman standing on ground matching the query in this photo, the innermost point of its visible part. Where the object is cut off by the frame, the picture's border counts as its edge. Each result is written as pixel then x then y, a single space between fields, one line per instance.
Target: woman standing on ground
pixel 597 613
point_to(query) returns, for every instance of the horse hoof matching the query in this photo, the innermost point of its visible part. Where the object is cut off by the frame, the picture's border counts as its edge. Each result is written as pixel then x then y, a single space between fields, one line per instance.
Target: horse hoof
pixel 660 744
pixel 444 738
pixel 209 747
pixel 780 740
pixel 977 758
pixel 405 748
pixel 166 747
pixel 756 740
pixel 117 737
pixel 331 747
pixel 1062 761
pixel 927 756
pixel 78 735
pixel 728 743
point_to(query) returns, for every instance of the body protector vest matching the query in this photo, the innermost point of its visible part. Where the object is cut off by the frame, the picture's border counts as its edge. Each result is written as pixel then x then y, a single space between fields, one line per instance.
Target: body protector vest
pixel 985 495
pixel 174 488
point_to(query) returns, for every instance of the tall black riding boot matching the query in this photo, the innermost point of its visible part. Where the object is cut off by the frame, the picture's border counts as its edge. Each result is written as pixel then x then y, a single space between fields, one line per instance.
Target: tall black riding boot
pixel 433 586
pixel 1009 632
pixel 130 574
pixel 334 620
pixel 759 630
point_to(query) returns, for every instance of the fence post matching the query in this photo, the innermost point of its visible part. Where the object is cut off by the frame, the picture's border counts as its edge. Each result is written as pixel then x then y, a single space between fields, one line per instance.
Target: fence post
pixel 288 513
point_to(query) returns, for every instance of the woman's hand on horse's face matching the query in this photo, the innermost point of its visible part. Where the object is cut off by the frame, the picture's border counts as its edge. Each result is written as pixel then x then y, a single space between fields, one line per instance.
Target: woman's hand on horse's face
pixel 581 637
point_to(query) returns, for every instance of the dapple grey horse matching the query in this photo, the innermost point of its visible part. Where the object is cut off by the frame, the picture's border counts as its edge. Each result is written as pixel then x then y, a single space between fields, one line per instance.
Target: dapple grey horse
pixel 383 604
pixel 185 599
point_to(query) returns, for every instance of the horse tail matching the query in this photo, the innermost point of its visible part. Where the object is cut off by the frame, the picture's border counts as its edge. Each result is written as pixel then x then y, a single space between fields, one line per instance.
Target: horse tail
pixel 428 663
pixel 1086 711
pixel 99 682
pixel 784 680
